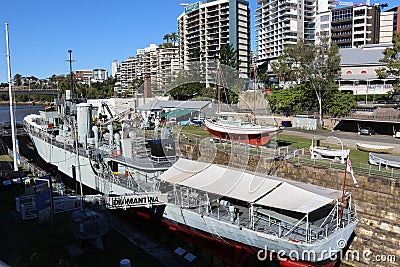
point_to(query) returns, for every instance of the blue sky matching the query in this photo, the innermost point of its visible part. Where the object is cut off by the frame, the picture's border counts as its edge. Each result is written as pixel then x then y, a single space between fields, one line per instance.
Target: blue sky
pixel 99 32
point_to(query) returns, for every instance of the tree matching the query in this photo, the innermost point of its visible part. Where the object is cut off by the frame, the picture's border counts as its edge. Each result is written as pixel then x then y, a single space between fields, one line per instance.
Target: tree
pixel 338 103
pixel 289 100
pixel 174 38
pixel 17 79
pixel 315 65
pixel 136 83
pixel 167 37
pixel 187 91
pixel 323 70
pixel 391 57
pixel 229 56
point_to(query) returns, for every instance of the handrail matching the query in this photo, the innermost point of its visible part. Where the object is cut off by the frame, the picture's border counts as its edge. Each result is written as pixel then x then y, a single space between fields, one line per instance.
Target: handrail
pixel 361 169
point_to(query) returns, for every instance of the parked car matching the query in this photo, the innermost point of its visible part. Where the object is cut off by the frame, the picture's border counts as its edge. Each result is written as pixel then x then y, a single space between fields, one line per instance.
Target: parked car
pixel 367 131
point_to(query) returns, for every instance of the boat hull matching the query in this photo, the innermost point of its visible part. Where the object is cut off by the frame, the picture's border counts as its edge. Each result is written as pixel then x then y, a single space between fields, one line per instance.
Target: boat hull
pixel 230 251
pixel 250 139
pixel 321 152
pixel 226 231
pixel 375 148
pixel 64 159
pixel 384 160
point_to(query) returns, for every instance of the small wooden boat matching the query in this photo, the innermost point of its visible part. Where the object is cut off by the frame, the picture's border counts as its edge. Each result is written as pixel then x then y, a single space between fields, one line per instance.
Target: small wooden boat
pixel 375 148
pixel 238 131
pixel 328 153
pixel 384 160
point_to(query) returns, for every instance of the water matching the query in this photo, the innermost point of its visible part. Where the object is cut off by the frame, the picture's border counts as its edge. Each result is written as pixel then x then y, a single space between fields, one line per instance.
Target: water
pixel 21 110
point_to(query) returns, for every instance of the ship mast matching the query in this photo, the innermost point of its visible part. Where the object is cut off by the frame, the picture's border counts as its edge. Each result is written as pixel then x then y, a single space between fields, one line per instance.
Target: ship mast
pixel 74 126
pixel 254 88
pixel 14 139
pixel 219 87
pixel 71 74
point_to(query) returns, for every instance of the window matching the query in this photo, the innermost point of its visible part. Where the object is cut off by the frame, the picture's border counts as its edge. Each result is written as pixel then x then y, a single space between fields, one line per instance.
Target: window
pixel 324 18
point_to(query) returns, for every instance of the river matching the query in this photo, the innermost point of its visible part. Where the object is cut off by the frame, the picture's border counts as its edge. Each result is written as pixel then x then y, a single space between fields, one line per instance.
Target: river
pixel 21 110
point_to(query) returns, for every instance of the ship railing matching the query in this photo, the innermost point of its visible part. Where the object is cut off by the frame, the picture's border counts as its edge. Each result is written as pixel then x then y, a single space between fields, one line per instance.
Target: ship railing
pixel 298 230
pixel 164 159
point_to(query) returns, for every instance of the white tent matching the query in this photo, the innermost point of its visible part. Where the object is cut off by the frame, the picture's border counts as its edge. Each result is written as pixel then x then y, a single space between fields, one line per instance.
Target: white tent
pixel 249 187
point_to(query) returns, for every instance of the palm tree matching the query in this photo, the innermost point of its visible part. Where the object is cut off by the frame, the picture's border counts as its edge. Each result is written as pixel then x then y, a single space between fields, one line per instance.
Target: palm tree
pixel 174 37
pixel 167 37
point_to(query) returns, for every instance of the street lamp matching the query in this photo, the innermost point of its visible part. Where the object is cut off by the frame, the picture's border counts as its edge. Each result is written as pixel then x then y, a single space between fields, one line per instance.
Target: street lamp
pixel 342 158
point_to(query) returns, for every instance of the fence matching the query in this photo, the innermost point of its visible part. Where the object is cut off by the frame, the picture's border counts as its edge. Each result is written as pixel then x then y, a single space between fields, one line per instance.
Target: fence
pixel 362 168
pixel 35 170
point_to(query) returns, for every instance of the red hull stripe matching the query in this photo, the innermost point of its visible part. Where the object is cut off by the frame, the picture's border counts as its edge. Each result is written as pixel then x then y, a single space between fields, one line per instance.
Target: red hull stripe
pixel 252 139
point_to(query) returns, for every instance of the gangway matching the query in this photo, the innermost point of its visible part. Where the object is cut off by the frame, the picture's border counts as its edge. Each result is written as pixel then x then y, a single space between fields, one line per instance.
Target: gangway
pixel 26 205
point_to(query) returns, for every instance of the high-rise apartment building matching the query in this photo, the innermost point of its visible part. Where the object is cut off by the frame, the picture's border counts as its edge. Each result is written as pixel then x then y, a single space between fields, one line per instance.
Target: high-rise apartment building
pixel 355 26
pixel 167 65
pixel 114 69
pixel 127 72
pixel 282 22
pixel 154 64
pixel 389 23
pixel 205 26
pixel 351 26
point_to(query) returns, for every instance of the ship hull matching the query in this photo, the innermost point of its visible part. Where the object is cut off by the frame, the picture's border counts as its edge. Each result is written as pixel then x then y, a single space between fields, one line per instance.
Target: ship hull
pixel 224 230
pixel 191 222
pixel 231 252
pixel 65 159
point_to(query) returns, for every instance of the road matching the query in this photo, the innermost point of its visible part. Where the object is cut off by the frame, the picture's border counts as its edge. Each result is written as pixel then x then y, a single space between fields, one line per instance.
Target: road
pixel 349 139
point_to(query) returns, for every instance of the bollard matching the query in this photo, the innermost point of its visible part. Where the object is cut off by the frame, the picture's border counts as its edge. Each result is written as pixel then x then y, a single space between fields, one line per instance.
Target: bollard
pixel 125 263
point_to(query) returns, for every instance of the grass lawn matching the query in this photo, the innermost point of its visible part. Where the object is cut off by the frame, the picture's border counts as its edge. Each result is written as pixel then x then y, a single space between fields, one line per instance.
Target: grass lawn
pixel 358 158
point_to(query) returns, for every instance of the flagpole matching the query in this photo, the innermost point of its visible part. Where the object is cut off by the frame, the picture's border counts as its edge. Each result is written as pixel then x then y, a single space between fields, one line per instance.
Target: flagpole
pixel 344 186
pixel 13 134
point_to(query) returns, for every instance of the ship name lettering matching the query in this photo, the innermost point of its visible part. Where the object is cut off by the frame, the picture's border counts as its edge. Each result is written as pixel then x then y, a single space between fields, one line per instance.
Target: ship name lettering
pixel 152 199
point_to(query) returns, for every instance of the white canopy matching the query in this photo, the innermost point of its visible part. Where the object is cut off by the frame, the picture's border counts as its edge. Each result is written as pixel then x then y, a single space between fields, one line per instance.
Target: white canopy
pixel 219 180
pixel 249 187
pixel 290 197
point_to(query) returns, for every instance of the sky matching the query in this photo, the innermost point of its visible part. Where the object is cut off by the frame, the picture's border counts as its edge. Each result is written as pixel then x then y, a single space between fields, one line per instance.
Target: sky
pixel 98 32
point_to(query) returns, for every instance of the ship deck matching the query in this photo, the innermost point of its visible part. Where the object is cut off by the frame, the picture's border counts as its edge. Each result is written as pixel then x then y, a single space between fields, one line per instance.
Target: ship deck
pixel 141 161
pixel 265 221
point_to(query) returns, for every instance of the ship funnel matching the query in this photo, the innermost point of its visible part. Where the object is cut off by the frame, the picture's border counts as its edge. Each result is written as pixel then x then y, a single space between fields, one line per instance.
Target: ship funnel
pixel 117 140
pixel 125 130
pixel 84 121
pixel 96 136
pixel 110 129
pixel 68 95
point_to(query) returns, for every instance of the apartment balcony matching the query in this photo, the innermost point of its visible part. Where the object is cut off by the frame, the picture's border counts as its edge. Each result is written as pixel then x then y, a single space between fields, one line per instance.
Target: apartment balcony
pixel 339 29
pixel 213 15
pixel 358 24
pixel 359 39
pixel 342 41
